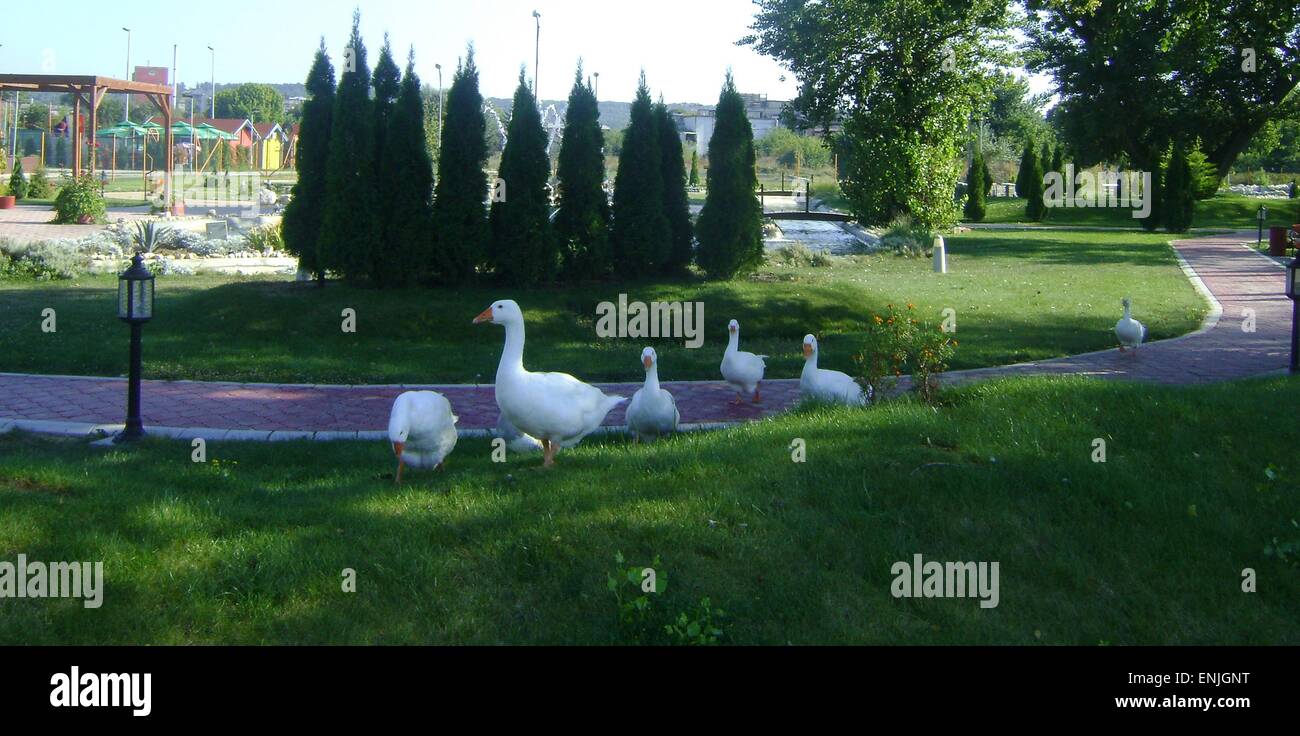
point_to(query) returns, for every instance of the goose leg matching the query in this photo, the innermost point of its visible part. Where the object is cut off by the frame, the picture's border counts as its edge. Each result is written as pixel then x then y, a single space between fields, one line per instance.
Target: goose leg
pixel 399 472
pixel 758 399
pixel 548 452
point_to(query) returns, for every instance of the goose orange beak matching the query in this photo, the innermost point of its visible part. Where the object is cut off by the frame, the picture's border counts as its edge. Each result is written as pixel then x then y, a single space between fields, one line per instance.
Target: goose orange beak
pixel 647 362
pixel 485 316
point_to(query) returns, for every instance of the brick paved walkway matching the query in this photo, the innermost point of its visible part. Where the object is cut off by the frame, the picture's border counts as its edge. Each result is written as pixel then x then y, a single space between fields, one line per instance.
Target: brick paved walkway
pixel 29 223
pixel 1238 279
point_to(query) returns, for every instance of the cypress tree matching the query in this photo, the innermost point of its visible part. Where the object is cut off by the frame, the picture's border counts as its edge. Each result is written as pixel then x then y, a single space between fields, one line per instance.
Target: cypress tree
pixel 348 228
pixel 694 181
pixel 1022 175
pixel 1156 196
pixel 1045 158
pixel 677 207
pixel 1179 195
pixel 406 251
pixel 458 209
pixel 523 249
pixel 642 237
pixel 1032 168
pixel 306 210
pixel 1058 160
pixel 386 82
pixel 976 187
pixel 730 228
pixel 988 176
pixel 582 224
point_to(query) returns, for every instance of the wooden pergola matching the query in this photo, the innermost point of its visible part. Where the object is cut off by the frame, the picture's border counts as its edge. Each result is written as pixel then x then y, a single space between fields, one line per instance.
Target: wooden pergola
pixel 89 91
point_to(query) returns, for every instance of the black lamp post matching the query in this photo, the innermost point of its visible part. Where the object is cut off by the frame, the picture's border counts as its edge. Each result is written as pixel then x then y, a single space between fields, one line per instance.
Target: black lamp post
pixel 1263 213
pixel 135 307
pixel 1293 293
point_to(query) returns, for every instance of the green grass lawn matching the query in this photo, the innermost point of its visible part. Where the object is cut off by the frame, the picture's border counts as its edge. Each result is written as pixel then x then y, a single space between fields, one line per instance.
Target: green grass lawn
pixel 1232 212
pixel 1147 548
pixel 1018 296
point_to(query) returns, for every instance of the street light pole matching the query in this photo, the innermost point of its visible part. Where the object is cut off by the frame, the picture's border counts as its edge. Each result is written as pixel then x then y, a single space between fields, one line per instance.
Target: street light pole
pixel 127 117
pixel 596 91
pixel 439 66
pixel 212 89
pixel 537 57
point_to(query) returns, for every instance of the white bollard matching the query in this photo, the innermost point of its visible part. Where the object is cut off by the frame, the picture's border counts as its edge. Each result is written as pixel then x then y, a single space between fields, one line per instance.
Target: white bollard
pixel 940 255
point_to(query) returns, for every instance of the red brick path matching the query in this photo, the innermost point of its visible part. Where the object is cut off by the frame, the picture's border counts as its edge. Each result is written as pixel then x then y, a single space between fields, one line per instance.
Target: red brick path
pixel 1238 278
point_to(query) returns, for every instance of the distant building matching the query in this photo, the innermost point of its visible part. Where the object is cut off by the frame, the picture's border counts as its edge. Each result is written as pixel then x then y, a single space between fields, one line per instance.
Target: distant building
pixel 697 126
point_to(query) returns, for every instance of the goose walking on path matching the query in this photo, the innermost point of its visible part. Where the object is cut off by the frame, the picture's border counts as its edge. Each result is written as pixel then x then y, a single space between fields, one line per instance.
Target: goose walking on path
pixel 653 411
pixel 556 408
pixel 422 429
pixel 742 371
pixel 1130 332
pixel 820 384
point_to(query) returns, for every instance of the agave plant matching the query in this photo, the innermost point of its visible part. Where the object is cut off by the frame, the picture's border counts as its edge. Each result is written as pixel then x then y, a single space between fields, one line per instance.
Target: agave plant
pixel 149 236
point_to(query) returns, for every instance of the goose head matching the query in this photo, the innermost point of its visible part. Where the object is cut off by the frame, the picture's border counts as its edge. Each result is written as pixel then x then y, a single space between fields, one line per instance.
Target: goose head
pixel 733 328
pixel 503 312
pixel 649 358
pixel 1128 303
pixel 809 347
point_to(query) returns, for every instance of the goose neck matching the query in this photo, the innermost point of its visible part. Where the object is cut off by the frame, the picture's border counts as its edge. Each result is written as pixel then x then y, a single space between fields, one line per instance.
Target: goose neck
pixel 512 356
pixel 652 379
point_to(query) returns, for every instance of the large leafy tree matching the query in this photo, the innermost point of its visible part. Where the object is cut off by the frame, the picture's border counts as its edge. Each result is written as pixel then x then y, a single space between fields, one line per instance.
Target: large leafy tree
pixel 306 210
pixel 730 228
pixel 1134 75
pixel 642 235
pixel 523 247
pixel 582 223
pixel 458 209
pixel 260 103
pixel 405 252
pixel 348 230
pixel 906 76
pixel 677 206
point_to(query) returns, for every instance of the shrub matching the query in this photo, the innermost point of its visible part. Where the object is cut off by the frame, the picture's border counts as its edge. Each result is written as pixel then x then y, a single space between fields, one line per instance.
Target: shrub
pixel 265 237
pixel 906 237
pixel 1179 195
pixel 798 255
pixel 17 182
pixel 80 202
pixel 40 261
pixel 898 343
pixel 151 236
pixel 39 186
pixel 976 187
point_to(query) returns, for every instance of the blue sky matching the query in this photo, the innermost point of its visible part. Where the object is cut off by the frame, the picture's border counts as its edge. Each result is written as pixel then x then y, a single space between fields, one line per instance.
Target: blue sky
pixel 684 45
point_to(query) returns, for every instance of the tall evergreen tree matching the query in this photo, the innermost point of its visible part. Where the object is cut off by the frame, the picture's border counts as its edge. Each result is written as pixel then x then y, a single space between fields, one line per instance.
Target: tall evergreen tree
pixel 458 207
pixel 694 181
pixel 976 188
pixel 642 236
pixel 306 210
pixel 677 205
pixel 523 247
pixel 1035 209
pixel 386 82
pixel 406 250
pixel 1022 174
pixel 988 177
pixel 348 228
pixel 1045 158
pixel 1058 159
pixel 730 228
pixel 582 223
pixel 1179 192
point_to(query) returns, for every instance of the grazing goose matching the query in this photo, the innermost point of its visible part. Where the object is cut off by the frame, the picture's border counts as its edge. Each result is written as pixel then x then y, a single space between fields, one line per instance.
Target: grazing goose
pixel 516 441
pixel 556 408
pixel 742 371
pixel 422 429
pixel 1130 332
pixel 653 411
pixel 820 384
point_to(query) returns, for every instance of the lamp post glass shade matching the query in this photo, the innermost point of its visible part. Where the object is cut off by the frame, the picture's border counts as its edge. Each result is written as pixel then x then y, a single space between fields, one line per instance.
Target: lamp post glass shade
pixel 135 293
pixel 1293 279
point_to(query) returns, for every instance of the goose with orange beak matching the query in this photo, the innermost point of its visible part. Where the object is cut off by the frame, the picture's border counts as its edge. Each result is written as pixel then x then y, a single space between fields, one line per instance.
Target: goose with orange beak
pixel 653 411
pixel 742 371
pixel 422 429
pixel 832 387
pixel 556 408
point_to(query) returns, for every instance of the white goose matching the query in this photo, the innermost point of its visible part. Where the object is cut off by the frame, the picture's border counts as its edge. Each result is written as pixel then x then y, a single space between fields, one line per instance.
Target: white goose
pixel 556 408
pixel 742 371
pixel 1130 332
pixel 422 429
pixel 820 384
pixel 516 441
pixel 653 410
